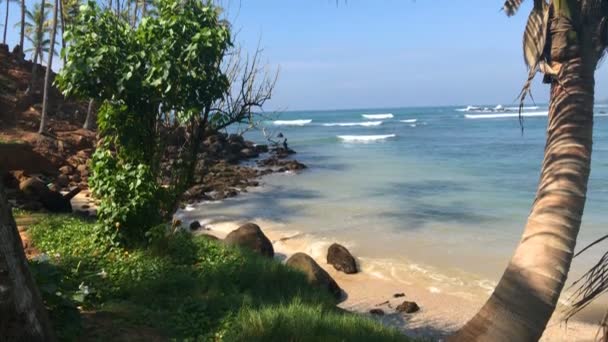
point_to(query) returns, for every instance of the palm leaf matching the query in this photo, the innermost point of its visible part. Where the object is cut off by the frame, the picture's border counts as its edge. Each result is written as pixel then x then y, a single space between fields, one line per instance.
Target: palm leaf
pixel 535 35
pixel 511 6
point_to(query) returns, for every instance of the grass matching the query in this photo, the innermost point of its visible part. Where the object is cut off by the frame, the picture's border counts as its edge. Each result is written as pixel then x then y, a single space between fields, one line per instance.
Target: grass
pixel 185 288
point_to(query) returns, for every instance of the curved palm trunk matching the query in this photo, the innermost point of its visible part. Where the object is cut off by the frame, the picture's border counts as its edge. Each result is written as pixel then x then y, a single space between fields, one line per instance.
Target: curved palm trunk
pixel 47 77
pixel 6 21
pixel 89 122
pixel 526 296
pixel 22 313
pixel 62 14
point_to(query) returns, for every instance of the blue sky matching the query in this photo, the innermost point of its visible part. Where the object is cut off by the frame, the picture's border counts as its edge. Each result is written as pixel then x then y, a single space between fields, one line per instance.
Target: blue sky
pixel 385 53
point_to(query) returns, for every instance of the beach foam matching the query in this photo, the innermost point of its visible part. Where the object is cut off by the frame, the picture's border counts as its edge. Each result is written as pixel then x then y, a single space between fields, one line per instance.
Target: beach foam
pixel 409 120
pixel 291 122
pixel 350 124
pixel 378 116
pixel 365 138
pixel 504 115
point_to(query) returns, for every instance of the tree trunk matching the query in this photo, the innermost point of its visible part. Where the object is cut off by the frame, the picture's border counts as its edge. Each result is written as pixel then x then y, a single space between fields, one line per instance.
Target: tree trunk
pixel 526 296
pixel 5 21
pixel 62 29
pixel 89 123
pixel 22 32
pixel 22 313
pixel 47 77
pixel 144 7
pixel 136 7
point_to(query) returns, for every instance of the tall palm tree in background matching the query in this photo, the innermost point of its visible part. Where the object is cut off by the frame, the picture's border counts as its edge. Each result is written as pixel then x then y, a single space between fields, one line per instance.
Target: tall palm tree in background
pixel 49 66
pixel 565 40
pixel 39 29
pixel 36 36
pixel 8 2
pixel 22 31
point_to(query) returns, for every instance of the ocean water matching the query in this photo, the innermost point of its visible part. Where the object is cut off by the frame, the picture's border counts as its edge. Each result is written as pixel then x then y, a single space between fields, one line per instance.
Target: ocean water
pixel 438 195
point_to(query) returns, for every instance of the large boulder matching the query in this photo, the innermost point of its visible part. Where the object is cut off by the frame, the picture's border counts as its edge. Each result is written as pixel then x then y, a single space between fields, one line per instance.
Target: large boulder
pixel 51 200
pixel 408 307
pixel 251 236
pixel 314 273
pixel 341 259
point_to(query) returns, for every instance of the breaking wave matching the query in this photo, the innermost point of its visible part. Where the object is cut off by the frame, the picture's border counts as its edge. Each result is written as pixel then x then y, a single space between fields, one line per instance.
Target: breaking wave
pixel 291 122
pixel 365 138
pixel 378 116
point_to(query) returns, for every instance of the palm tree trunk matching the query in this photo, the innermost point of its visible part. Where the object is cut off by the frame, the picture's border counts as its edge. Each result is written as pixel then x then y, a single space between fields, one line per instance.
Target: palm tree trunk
pixel 5 21
pixel 62 29
pixel 47 77
pixel 526 296
pixel 22 313
pixel 89 123
pixel 136 7
pixel 22 32
pixel 144 7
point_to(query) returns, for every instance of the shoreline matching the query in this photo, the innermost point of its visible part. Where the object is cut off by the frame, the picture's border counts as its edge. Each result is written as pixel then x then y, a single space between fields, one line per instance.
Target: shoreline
pixel 441 313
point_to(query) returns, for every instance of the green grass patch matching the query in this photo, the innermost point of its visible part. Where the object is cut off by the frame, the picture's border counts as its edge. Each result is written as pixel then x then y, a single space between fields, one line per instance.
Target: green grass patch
pixel 187 288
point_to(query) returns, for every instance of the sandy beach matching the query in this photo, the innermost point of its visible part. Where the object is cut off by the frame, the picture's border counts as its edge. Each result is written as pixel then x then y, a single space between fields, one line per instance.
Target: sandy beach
pixel 440 314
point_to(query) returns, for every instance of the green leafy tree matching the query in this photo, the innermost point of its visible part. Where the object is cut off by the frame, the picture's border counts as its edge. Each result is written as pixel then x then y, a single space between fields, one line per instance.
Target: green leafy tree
pixel 564 39
pixel 168 66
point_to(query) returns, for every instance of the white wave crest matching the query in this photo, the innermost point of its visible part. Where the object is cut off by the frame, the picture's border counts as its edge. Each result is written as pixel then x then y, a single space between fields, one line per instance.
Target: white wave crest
pixel 378 116
pixel 350 124
pixel 365 138
pixel 502 116
pixel 409 120
pixel 291 122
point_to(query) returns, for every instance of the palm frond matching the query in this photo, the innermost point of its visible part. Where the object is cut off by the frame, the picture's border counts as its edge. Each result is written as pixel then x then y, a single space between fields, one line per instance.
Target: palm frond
pixel 511 6
pixel 590 286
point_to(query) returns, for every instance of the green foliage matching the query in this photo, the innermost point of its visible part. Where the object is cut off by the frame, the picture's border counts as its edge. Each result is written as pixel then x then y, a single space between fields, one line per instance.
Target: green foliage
pixel 298 321
pixel 168 65
pixel 196 289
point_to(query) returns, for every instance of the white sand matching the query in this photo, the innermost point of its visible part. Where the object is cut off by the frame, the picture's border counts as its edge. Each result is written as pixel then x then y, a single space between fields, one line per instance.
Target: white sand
pixel 440 313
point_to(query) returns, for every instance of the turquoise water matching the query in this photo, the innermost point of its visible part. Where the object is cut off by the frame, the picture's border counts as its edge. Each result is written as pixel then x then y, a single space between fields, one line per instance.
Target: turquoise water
pixel 425 188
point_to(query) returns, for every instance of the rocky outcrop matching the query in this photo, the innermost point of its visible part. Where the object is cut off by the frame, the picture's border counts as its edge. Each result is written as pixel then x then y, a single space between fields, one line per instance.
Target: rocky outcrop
pixel 315 275
pixel 341 259
pixel 408 307
pixel 250 236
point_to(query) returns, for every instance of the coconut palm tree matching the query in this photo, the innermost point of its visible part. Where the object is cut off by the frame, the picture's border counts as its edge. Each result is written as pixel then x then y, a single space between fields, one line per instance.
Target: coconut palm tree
pixel 564 39
pixel 8 2
pixel 22 31
pixel 47 77
pixel 39 30
pixel 40 44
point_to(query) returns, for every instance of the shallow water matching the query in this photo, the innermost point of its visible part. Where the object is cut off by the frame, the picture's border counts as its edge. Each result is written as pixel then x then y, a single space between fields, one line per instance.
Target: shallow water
pixel 438 195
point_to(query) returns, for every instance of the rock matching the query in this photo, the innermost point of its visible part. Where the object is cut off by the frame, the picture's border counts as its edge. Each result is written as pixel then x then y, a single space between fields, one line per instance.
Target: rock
pixel 261 148
pixel 341 259
pixel 66 170
pixel 194 225
pixel 75 178
pixel 83 170
pixel 398 295
pixel 63 180
pixel 408 307
pixel 251 236
pixel 249 153
pixel 237 138
pixel 377 312
pixel 10 181
pixel 33 187
pixel 314 273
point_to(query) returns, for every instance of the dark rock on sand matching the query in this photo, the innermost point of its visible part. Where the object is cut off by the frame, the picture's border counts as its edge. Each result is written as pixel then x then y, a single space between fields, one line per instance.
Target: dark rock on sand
pixel 53 201
pixel 194 225
pixel 251 236
pixel 341 259
pixel 377 312
pixel 314 273
pixel 398 295
pixel 408 307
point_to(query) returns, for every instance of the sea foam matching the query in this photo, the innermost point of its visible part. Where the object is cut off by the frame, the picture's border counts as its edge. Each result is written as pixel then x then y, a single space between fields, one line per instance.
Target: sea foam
pixel 409 120
pixel 378 116
pixel 503 115
pixel 365 138
pixel 291 122
pixel 350 124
